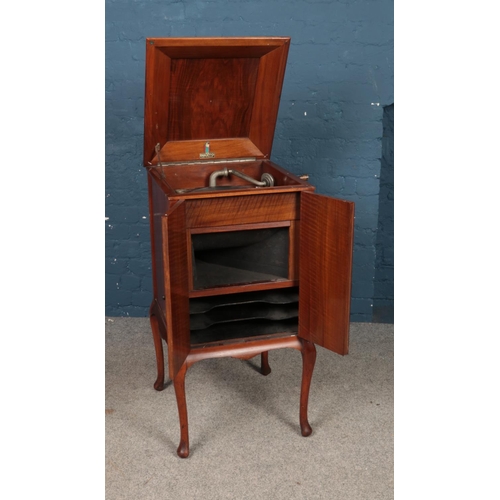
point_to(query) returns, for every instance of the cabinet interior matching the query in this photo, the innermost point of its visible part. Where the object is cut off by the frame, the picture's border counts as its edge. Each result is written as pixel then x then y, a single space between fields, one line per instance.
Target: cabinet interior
pixel 190 179
pixel 239 257
pixel 243 315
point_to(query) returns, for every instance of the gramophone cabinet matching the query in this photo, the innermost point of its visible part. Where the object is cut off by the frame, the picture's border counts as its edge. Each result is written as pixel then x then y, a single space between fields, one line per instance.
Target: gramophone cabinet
pixel 246 258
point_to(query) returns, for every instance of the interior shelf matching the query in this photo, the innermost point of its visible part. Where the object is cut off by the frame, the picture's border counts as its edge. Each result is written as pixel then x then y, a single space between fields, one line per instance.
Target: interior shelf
pixel 282 296
pixel 210 275
pixel 244 312
pixel 243 315
pixel 243 329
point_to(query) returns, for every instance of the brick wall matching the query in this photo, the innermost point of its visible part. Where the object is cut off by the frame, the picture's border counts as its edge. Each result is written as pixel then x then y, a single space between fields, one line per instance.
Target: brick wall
pixel 383 304
pixel 339 78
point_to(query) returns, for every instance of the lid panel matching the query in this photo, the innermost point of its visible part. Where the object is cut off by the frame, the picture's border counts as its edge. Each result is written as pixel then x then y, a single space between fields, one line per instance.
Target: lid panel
pixel 156 102
pixel 211 98
pixel 220 148
pixel 267 99
pixel 225 90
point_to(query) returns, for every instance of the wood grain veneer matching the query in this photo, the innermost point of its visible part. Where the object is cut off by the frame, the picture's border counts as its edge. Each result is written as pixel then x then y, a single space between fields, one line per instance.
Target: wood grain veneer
pixel 176 286
pixel 226 91
pixel 326 244
pixel 225 211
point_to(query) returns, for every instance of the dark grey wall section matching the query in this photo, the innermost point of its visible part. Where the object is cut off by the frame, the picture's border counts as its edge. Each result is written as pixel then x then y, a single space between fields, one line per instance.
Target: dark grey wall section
pixel 383 303
pixel 339 78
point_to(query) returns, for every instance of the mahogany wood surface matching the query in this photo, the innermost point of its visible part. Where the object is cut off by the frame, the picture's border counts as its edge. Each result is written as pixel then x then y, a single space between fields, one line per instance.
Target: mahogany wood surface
pixel 239 227
pixel 282 177
pixel 251 287
pixel 155 101
pixel 157 175
pixel 223 46
pixel 294 250
pixel 227 91
pixel 245 351
pixel 240 147
pixel 154 314
pixel 265 369
pixel 267 98
pixel 240 193
pixel 248 347
pixel 180 394
pixel 217 47
pixel 176 286
pixel 308 352
pixel 203 88
pixel 215 89
pixel 154 240
pixel 158 207
pixel 227 211
pixel 196 175
pixel 326 244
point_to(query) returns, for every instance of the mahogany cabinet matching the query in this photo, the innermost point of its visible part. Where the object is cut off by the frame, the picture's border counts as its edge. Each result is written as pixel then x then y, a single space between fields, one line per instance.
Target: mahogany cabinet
pixel 246 257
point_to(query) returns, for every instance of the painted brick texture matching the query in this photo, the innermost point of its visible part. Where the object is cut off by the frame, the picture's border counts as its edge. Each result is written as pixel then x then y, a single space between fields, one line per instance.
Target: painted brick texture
pixel 383 306
pixel 339 78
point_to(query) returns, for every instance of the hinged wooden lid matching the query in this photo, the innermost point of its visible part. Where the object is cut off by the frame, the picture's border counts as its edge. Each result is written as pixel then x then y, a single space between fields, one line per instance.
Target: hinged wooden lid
pixel 214 97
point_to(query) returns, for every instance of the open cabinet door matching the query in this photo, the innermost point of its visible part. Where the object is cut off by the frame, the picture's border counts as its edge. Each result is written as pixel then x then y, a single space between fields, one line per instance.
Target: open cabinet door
pixel 176 286
pixel 325 268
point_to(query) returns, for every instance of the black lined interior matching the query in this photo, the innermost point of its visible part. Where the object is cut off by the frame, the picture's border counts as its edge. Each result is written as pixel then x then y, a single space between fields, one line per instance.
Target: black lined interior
pixel 243 315
pixel 240 257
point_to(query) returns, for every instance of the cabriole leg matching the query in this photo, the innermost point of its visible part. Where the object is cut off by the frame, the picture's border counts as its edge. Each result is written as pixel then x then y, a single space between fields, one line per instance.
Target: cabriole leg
pixel 308 359
pixel 160 363
pixel 265 369
pixel 180 394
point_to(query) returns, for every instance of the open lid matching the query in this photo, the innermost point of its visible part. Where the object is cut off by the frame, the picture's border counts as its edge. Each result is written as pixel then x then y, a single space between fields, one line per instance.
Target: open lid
pixel 212 98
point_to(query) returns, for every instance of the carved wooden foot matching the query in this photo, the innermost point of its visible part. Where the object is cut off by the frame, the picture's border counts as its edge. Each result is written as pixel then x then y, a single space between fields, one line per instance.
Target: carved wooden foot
pixel 180 394
pixel 265 369
pixel 308 359
pixel 159 384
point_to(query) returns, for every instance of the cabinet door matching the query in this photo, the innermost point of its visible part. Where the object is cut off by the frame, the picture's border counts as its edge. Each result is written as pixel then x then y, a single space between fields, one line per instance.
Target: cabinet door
pixel 325 268
pixel 176 286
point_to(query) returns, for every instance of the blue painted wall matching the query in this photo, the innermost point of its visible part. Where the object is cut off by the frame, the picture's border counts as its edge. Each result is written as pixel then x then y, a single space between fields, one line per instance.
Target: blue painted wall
pixel 339 78
pixel 383 303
